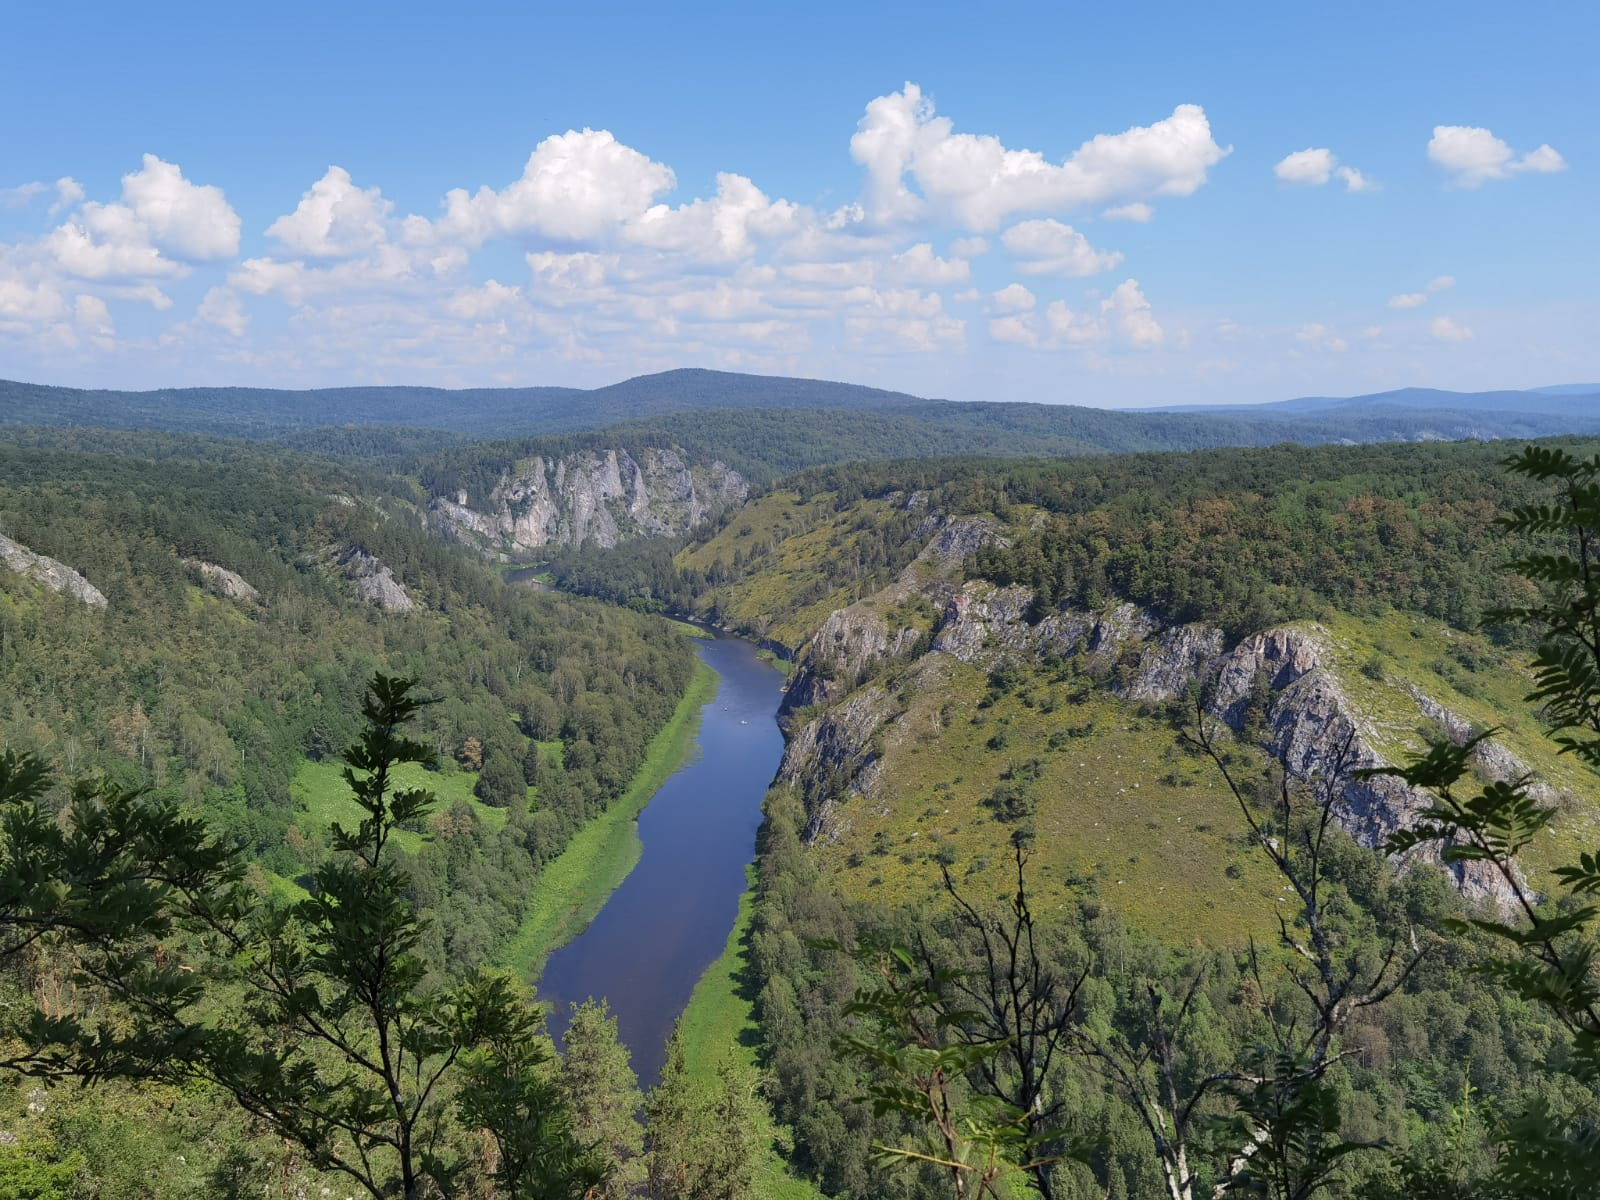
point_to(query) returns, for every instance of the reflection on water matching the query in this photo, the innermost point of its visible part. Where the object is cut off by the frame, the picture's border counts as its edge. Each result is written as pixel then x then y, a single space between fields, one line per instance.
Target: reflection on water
pixel 670 918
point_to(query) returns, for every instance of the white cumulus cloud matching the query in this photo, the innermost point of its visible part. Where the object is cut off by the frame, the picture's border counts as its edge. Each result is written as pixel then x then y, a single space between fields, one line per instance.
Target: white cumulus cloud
pixel 1446 330
pixel 1131 312
pixel 1047 247
pixel 978 181
pixel 1316 165
pixel 1408 300
pixel 1313 166
pixel 1474 155
pixel 334 219
pixel 1014 298
pixel 575 186
pixel 1139 212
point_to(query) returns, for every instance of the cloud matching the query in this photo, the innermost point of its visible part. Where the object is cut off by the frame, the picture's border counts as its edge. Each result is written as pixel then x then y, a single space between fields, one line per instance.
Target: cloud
pixel 1074 327
pixel 1315 166
pixel 92 315
pixel 1446 330
pixel 186 220
pixel 1473 155
pixel 334 219
pixel 723 229
pixel 162 224
pixel 22 195
pixel 1014 298
pixel 976 181
pixel 969 247
pixel 68 192
pixel 1439 283
pixel 1047 247
pixel 920 265
pixel 223 309
pixel 1131 312
pixel 574 186
pixel 1355 181
pixel 1017 331
pixel 1138 212
pixel 1319 336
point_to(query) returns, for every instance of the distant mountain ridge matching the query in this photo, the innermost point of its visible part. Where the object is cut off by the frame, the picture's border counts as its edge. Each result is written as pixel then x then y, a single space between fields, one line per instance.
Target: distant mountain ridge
pixel 268 413
pixel 767 426
pixel 1558 400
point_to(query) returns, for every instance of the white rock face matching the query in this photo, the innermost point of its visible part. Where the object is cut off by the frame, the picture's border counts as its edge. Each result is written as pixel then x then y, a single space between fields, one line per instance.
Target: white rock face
pixel 1309 720
pixel 58 577
pixel 592 497
pixel 375 582
pixel 228 584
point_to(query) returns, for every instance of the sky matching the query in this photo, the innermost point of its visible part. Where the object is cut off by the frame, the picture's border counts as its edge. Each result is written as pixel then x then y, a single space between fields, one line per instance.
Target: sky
pixel 1070 203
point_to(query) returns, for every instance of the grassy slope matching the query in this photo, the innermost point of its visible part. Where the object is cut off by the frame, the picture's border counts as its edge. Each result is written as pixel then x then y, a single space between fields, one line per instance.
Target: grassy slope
pixel 720 1023
pixel 573 887
pixel 319 790
pixel 1122 807
pixel 776 598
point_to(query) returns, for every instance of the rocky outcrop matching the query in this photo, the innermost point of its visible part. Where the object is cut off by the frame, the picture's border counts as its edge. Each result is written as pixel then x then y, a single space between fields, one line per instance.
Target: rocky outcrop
pixel 222 582
pixel 375 582
pixel 1278 686
pixel 593 497
pixel 56 576
pixel 831 758
pixel 851 641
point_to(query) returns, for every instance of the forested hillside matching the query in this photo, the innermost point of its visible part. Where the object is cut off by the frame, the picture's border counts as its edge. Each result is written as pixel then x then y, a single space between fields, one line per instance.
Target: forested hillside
pixel 225 700
pixel 992 656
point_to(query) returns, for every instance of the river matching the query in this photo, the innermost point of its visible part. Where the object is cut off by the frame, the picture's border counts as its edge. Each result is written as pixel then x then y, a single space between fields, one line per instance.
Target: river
pixel 670 918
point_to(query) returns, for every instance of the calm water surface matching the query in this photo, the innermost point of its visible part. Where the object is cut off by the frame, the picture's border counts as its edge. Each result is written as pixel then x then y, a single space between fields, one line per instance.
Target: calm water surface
pixel 670 918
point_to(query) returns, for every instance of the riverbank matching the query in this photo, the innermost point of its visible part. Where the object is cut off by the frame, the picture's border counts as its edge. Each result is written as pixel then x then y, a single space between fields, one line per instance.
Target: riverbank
pixel 720 1023
pixel 574 886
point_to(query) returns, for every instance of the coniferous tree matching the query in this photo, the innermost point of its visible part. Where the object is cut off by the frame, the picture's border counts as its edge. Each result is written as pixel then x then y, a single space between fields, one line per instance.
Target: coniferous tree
pixel 599 1087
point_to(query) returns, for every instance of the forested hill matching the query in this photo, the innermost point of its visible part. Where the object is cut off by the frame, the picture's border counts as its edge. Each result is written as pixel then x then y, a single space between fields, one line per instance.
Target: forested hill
pixel 765 426
pixel 249 595
pixel 993 657
pixel 267 414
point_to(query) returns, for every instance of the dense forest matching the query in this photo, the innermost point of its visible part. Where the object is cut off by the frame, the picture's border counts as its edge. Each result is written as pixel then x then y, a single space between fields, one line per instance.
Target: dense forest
pixel 1387 1040
pixel 222 701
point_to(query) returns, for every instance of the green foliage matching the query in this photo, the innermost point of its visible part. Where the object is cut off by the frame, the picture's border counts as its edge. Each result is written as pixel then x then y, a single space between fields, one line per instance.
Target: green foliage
pixel 321 1019
pixel 599 1088
pixel 704 1145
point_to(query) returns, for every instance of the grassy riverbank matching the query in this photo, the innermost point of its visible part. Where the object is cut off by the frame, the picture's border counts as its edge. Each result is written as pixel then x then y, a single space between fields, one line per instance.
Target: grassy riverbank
pixel 573 887
pixel 720 1023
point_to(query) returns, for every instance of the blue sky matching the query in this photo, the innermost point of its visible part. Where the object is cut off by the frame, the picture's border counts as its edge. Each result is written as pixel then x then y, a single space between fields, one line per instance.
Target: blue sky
pixel 1104 204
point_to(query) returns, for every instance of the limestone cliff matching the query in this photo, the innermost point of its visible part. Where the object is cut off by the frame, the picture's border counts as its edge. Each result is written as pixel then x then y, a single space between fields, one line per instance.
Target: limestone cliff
pixel 592 497
pixel 230 585
pixel 56 576
pixel 1281 686
pixel 375 581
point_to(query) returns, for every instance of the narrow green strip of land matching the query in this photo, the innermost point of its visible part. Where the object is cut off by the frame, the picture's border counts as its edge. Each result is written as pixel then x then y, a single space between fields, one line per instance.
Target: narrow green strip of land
pixel 719 1024
pixel 574 886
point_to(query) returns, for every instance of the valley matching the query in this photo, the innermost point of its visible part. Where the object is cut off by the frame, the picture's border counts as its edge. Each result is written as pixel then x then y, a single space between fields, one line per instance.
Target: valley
pixel 983 657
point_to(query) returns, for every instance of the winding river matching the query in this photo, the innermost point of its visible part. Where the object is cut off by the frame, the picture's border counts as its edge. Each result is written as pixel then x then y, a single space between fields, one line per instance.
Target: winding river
pixel 670 918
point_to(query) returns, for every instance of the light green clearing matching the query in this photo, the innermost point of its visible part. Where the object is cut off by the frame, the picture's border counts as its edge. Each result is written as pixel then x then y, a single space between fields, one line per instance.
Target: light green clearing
pixel 720 1023
pixel 574 886
pixel 781 665
pixel 319 791
pixel 688 630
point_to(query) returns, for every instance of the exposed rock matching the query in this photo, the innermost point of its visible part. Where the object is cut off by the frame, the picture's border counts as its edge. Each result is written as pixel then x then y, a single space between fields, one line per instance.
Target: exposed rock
pixel 592 497
pixel 1308 719
pixel 831 758
pixel 58 577
pixel 375 582
pixel 225 583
